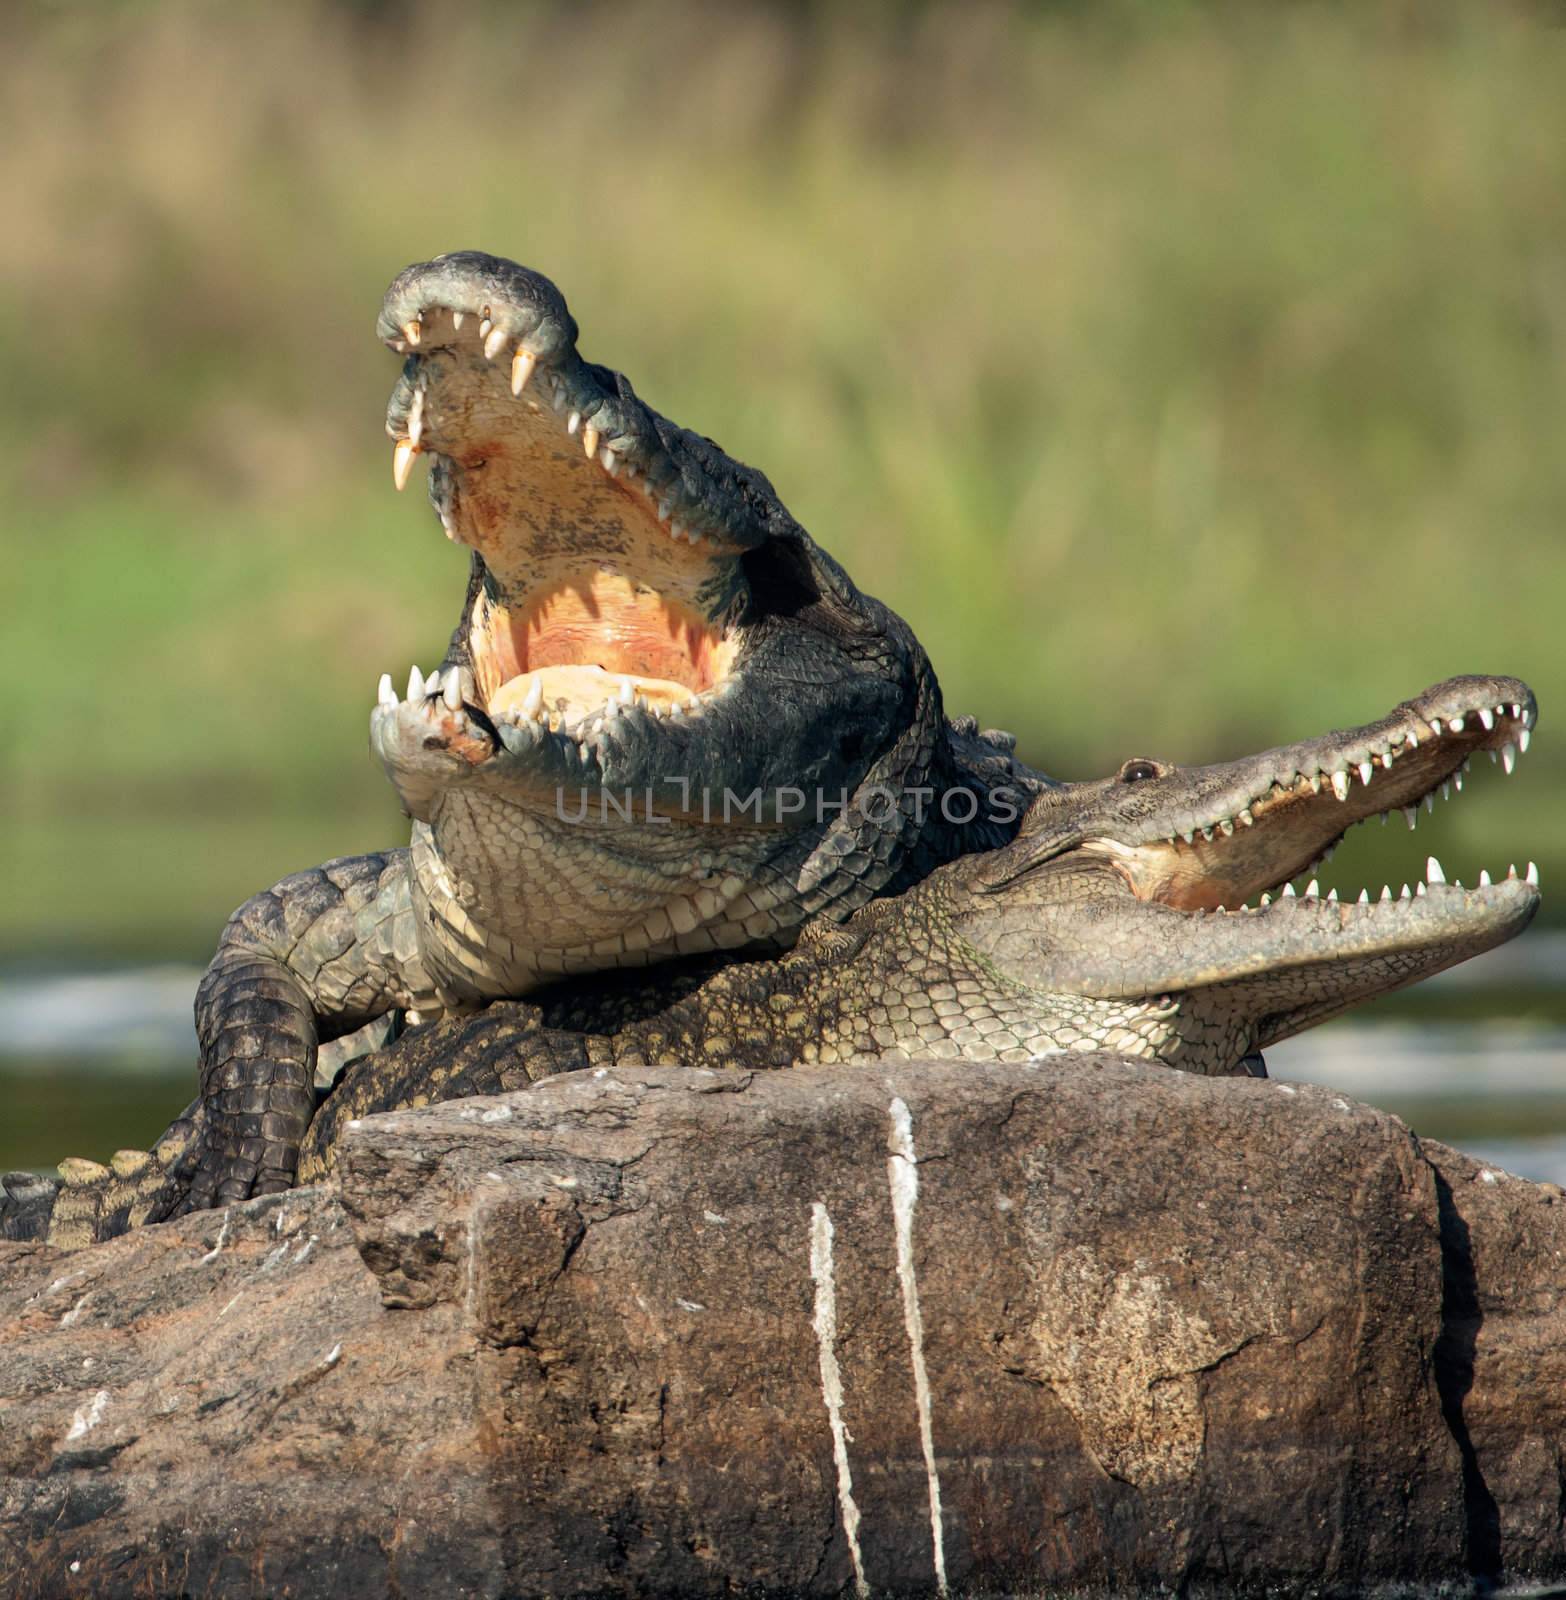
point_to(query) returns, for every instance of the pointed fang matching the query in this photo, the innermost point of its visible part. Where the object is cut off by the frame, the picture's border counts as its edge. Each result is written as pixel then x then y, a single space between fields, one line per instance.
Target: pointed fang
pixel 521 370
pixel 403 453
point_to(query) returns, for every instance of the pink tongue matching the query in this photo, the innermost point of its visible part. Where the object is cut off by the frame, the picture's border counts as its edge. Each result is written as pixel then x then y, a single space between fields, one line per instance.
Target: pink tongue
pixel 583 689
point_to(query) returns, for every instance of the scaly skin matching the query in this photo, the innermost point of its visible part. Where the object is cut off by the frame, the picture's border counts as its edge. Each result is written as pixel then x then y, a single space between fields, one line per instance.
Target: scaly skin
pixel 667 723
pixel 1099 927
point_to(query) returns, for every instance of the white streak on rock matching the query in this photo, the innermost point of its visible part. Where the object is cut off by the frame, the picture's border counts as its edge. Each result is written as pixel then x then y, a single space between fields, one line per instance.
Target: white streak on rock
pixel 222 1238
pixel 832 1381
pixel 70 1318
pixel 902 1170
pixel 88 1417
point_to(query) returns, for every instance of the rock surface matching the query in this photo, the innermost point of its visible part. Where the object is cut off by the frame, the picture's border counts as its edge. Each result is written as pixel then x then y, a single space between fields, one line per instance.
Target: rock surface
pixel 674 1331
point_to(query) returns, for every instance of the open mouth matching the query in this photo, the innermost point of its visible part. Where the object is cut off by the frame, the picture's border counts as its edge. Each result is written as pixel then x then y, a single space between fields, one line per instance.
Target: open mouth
pixel 612 578
pixel 1283 815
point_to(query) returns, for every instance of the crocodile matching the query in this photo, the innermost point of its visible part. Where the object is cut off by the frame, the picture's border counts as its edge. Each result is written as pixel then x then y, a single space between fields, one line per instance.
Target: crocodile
pixel 666 723
pixel 1117 919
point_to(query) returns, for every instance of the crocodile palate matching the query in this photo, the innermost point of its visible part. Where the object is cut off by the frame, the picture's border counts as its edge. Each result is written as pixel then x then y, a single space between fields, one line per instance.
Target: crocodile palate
pixel 666 723
pixel 1118 919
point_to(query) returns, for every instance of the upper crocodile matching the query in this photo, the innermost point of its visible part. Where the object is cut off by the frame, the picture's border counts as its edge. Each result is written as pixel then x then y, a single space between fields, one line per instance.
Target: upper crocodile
pixel 1115 920
pixel 666 723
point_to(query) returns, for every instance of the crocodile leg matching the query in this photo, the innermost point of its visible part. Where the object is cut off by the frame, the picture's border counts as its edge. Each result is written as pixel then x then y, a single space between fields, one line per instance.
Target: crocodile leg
pixel 315 956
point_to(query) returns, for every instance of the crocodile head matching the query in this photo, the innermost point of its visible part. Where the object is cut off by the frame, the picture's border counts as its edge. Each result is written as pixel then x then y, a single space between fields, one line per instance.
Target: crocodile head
pixel 1171 887
pixel 644 614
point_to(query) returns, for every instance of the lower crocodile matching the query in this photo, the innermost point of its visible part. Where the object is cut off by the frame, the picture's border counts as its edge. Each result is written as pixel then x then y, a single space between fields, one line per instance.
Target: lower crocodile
pixel 1117 919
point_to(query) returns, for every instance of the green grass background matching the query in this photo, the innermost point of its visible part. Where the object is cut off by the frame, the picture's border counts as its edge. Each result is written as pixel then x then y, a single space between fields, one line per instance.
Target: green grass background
pixel 1192 378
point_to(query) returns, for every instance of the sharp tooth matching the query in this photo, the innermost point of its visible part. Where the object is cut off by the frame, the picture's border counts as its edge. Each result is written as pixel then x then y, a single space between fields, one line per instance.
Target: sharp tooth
pixel 1340 785
pixel 1435 726
pixel 415 684
pixel 534 697
pixel 413 331
pixel 1365 770
pixel 1457 778
pixel 1523 739
pixel 1207 834
pixel 1486 718
pixel 451 691
pixel 1266 899
pixel 1433 872
pixel 403 453
pixel 573 422
pixel 1508 757
pixel 416 416
pixel 1484 878
pixel 495 343
pixel 1413 740
pixel 1332 895
pixel 1288 891
pixel 1455 724
pixel 1314 780
pixel 1364 897
pixel 1446 790
pixel 664 508
pixel 1386 891
pixel 609 461
pixel 521 370
pixel 589 441
pixel 1386 758
pixel 1493 757
pixel 457 318
pixel 386 695
pixel 627 691
pixel 1247 818
pixel 1533 875
pixel 1419 890
pixel 1430 804
pixel 1312 890
pixel 1511 871
pixel 1189 836
pixel 1411 816
pixel 1226 828
pixel 1407 894
pixel 432 684
pixel 676 530
pixel 484 326
pixel 1329 852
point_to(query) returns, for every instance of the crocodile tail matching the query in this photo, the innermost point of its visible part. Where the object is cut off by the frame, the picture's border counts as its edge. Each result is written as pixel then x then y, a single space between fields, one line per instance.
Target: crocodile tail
pixel 89 1202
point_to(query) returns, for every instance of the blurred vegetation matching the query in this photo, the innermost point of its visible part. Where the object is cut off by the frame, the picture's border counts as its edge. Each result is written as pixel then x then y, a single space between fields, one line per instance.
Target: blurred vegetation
pixel 1192 378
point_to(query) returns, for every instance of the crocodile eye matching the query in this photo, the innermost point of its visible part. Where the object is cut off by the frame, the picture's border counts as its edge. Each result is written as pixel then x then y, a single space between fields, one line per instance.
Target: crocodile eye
pixel 1135 771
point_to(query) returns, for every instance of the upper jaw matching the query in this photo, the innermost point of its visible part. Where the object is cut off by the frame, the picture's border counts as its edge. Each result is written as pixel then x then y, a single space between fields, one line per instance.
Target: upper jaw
pixel 492 356
pixel 1216 836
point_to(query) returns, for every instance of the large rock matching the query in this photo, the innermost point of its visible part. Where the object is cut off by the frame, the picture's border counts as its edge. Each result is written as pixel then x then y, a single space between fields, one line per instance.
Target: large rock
pixel 1084 1322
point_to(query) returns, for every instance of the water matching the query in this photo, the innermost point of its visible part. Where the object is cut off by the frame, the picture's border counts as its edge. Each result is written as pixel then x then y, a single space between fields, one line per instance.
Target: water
pixel 91 1062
